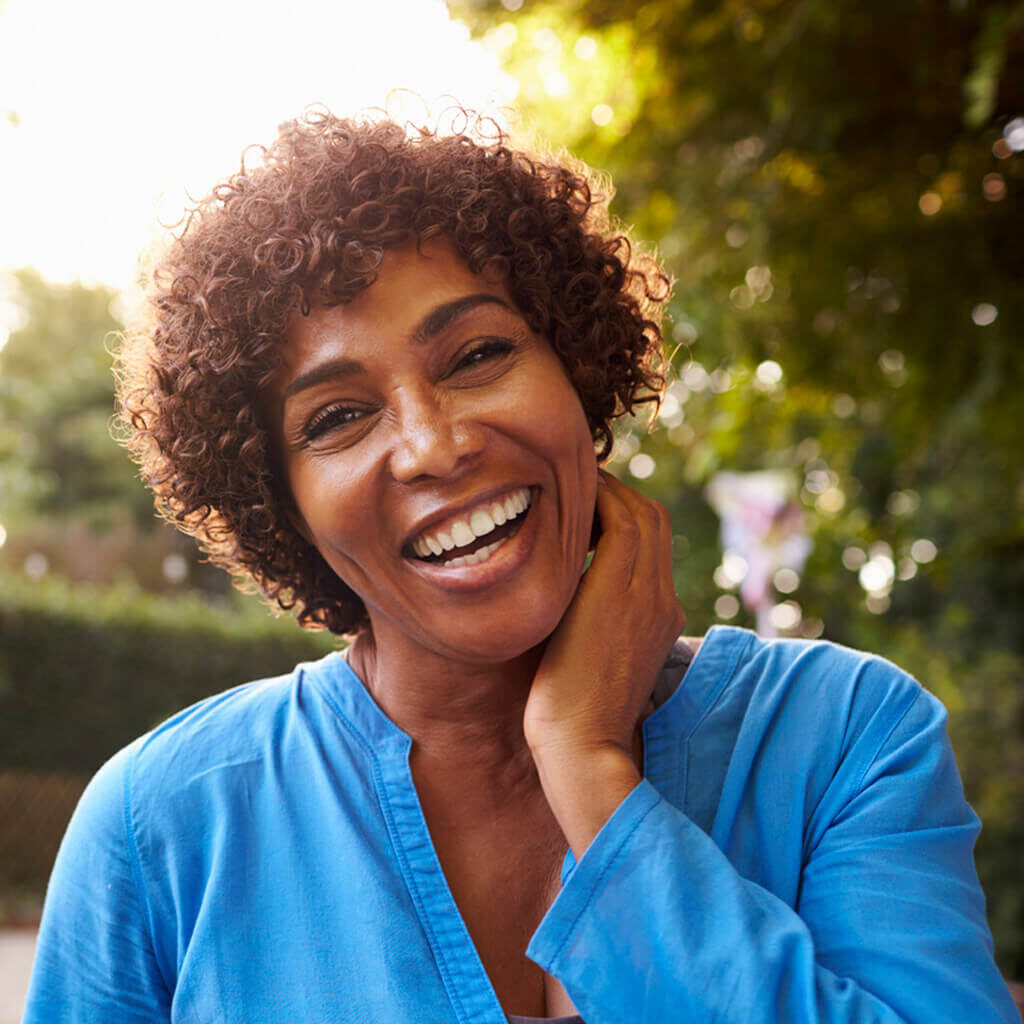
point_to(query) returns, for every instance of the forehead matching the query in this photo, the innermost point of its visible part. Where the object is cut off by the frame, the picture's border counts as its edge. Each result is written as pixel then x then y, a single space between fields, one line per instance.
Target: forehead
pixel 412 284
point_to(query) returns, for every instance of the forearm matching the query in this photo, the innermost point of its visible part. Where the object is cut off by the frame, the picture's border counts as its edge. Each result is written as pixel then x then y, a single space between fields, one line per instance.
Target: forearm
pixel 655 924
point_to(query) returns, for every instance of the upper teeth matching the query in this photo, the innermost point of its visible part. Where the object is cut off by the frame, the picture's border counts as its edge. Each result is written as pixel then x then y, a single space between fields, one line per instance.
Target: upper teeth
pixel 477 523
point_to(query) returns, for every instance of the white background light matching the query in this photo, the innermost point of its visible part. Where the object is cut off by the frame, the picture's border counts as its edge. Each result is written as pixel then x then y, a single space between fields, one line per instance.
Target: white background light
pixel 119 106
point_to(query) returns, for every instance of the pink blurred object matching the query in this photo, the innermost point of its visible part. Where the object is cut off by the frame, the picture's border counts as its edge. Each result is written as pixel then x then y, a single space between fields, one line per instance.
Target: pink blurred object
pixel 763 523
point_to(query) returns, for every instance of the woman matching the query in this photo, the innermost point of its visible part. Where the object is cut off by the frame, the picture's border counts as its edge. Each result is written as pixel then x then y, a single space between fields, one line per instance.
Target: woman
pixel 378 379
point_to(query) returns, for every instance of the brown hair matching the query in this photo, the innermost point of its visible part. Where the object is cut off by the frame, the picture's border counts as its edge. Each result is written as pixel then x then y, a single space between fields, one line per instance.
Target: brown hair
pixel 309 225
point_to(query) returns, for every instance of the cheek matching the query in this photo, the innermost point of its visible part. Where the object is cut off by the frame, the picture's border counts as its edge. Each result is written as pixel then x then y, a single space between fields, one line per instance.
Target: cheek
pixel 326 514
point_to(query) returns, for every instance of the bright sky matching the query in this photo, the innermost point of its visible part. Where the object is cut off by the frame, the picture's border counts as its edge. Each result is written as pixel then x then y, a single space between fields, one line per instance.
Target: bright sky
pixel 111 109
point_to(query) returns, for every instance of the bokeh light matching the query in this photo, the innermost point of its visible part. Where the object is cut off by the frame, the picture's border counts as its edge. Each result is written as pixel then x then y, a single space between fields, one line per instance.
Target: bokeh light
pixel 853 557
pixel 984 314
pixel 585 48
pixel 923 551
pixel 844 406
pixel 1014 134
pixel 768 376
pixel 993 187
pixel 786 580
pixel 877 574
pixel 786 616
pixel 641 466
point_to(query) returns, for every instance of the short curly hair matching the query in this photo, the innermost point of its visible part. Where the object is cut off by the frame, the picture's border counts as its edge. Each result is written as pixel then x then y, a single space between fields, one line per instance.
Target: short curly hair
pixel 308 225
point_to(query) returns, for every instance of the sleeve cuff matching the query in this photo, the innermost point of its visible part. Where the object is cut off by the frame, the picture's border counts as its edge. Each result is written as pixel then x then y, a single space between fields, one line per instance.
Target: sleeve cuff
pixel 584 881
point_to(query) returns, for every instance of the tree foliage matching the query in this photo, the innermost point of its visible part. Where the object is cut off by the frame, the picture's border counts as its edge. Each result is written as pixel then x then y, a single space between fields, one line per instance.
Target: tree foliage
pixel 833 186
pixel 57 459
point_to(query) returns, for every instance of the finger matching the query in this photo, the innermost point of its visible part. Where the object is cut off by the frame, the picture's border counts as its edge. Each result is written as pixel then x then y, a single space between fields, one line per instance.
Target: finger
pixel 653 564
pixel 652 561
pixel 620 540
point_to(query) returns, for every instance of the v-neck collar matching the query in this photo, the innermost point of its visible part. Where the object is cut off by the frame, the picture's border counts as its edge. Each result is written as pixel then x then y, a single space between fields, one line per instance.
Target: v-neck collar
pixel 666 731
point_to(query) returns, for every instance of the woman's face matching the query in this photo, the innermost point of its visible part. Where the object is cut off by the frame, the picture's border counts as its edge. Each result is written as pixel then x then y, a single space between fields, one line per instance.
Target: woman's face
pixel 439 458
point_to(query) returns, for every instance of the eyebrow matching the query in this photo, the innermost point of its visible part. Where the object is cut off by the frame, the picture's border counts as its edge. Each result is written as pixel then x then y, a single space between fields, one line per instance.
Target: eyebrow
pixel 330 370
pixel 429 327
pixel 438 319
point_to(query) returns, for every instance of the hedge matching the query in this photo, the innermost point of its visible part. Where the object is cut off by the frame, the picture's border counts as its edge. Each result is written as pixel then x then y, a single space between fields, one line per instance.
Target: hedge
pixel 84 671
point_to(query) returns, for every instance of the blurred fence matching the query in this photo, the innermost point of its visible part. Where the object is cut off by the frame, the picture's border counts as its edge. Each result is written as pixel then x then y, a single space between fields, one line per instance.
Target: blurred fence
pixel 34 812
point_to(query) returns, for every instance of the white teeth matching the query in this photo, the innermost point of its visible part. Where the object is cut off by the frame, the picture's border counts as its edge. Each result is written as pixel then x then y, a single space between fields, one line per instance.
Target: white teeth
pixel 516 503
pixel 481 523
pixel 462 532
pixel 475 556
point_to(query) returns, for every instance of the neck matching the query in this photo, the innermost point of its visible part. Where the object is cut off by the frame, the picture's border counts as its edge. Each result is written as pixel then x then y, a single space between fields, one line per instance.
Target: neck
pixel 462 716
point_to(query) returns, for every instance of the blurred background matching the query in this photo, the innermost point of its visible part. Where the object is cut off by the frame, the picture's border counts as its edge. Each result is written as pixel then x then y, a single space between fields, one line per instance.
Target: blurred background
pixel 837 188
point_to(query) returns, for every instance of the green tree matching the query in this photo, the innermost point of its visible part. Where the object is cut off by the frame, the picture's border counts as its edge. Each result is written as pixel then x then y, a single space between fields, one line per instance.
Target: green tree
pixel 836 187
pixel 57 459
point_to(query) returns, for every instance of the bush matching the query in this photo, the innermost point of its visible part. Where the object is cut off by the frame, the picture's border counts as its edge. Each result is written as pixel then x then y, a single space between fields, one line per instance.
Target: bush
pixel 83 671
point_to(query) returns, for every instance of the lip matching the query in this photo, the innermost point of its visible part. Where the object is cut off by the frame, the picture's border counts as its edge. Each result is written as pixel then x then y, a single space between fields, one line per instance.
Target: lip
pixel 500 566
pixel 433 519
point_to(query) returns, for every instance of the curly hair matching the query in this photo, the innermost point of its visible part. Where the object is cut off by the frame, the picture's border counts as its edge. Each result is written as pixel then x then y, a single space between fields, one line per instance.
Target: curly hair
pixel 308 225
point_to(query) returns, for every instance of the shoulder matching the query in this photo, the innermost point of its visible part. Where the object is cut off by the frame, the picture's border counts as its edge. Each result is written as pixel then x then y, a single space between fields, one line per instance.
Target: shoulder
pixel 239 727
pixel 783 669
pixel 810 729
pixel 806 699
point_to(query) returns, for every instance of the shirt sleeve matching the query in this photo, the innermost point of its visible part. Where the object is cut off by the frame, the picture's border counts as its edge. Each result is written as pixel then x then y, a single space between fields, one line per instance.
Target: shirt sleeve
pixel 94 960
pixel 655 923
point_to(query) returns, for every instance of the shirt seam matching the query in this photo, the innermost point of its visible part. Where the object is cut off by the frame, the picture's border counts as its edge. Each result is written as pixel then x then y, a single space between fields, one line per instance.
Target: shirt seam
pixel 135 860
pixel 738 651
pixel 884 742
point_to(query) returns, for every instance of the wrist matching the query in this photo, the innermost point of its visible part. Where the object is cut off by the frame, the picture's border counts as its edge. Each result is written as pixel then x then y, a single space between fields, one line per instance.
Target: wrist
pixel 584 785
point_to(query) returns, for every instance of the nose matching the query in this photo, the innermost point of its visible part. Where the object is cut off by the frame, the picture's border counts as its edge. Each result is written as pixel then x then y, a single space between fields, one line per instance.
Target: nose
pixel 432 437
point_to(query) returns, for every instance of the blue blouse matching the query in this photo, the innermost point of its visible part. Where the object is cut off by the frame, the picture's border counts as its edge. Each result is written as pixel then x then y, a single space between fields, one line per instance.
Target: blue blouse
pixel 798 851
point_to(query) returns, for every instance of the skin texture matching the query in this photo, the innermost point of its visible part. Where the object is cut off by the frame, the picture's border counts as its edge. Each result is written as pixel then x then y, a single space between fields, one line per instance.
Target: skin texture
pixel 521 680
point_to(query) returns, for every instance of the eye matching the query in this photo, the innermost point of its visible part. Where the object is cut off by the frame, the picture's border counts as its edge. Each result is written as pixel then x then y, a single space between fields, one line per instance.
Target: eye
pixel 333 417
pixel 482 352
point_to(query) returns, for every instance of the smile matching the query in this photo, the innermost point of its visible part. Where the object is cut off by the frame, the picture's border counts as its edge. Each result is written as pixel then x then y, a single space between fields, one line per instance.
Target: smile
pixel 463 540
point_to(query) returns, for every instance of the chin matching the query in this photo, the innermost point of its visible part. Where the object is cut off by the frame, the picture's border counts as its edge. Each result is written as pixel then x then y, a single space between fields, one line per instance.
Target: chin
pixel 494 644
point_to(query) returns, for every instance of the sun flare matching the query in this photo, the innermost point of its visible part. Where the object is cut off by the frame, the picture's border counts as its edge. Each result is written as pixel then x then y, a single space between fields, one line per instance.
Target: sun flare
pixel 113 113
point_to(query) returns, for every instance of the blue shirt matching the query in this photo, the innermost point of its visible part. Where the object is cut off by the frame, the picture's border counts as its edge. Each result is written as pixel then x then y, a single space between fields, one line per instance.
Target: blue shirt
pixel 798 851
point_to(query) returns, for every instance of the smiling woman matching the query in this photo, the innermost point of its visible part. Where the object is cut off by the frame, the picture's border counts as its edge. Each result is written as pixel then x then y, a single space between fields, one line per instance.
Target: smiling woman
pixel 378 380
pixel 408 416
pixel 310 228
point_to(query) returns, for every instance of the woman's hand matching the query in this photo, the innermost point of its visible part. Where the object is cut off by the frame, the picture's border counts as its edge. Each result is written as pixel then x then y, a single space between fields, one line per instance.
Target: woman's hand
pixel 599 667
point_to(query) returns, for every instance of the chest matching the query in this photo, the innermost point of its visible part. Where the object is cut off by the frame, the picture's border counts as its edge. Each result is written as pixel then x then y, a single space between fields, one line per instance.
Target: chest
pixel 331 904
pixel 503 878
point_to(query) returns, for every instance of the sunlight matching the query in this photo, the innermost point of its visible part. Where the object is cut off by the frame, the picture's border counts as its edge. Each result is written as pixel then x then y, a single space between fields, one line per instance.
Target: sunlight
pixel 112 111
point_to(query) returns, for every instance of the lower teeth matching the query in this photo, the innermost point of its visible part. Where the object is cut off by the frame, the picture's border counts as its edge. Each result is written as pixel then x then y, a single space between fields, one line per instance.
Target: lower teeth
pixel 480 555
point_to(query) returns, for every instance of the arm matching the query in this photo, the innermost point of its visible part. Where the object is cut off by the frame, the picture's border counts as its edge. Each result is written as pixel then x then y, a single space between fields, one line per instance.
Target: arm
pixel 595 680
pixel 94 960
pixel 656 924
